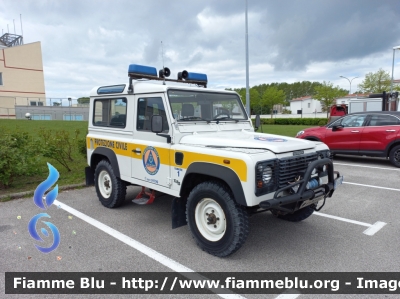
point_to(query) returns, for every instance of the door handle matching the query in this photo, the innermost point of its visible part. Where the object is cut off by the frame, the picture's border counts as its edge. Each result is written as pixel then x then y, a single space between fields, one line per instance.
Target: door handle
pixel 390 130
pixel 137 151
pixel 355 131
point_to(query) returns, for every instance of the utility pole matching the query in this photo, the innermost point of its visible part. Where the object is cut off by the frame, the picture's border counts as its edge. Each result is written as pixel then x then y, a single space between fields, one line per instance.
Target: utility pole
pixel 247 68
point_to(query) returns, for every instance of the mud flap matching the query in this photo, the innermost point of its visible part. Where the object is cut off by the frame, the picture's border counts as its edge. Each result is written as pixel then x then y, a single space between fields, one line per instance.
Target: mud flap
pixel 178 212
pixel 89 176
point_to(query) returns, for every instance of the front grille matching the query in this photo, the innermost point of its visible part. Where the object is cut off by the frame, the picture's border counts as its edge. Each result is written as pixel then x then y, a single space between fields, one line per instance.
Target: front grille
pixel 290 168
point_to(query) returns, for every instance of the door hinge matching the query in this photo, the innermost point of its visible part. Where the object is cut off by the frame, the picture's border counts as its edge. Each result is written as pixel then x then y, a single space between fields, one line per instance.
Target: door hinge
pixel 169 181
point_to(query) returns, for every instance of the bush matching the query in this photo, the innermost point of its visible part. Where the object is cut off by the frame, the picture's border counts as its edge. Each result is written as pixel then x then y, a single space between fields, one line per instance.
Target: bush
pixel 18 156
pixel 57 145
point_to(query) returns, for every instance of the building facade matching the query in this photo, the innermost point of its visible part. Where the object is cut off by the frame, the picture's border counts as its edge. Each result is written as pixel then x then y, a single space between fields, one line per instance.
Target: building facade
pixel 21 77
pixel 305 105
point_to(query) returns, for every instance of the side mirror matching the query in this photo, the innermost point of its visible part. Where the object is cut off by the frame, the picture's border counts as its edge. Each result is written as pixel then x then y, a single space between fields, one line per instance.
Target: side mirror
pixel 337 128
pixel 156 124
pixel 258 121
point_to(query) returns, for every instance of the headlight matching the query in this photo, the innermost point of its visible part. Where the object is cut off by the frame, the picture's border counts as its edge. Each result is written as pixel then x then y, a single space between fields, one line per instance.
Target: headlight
pixel 267 175
pixel 299 133
pixel 264 174
pixel 324 154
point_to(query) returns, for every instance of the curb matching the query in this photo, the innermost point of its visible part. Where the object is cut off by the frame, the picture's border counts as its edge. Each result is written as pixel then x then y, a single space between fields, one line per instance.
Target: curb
pixel 25 193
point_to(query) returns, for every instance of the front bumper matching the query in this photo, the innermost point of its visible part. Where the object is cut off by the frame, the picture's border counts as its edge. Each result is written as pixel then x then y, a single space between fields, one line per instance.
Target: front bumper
pixel 299 191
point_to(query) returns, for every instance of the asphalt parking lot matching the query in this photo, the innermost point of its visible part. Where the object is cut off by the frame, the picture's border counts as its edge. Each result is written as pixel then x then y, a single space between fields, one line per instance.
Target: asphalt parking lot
pixel 356 231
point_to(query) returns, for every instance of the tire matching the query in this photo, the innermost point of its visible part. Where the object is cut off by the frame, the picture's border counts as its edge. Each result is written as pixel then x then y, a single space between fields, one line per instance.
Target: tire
pixel 299 215
pixel 218 224
pixel 394 156
pixel 110 190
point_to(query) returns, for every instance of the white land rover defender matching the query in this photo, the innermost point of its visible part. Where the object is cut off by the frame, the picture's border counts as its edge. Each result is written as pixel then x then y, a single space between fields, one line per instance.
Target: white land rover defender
pixel 200 146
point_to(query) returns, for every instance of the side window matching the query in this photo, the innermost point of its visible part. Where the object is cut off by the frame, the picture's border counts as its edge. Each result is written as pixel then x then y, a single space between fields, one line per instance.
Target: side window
pixel 350 121
pixel 383 120
pixel 110 112
pixel 147 107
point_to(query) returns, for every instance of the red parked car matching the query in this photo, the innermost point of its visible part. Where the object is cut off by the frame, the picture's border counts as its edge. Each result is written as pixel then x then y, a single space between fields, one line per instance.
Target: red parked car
pixel 363 133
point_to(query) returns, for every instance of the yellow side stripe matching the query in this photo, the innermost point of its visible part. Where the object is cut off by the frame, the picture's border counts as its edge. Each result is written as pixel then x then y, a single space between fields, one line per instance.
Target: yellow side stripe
pixel 167 156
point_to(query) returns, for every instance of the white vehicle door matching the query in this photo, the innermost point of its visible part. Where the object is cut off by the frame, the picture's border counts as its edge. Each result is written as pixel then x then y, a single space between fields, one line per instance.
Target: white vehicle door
pixel 151 152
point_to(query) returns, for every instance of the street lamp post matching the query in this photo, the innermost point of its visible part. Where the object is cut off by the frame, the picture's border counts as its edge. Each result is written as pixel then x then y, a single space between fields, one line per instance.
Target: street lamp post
pixel 349 81
pixel 391 84
pixel 247 66
pixel 70 116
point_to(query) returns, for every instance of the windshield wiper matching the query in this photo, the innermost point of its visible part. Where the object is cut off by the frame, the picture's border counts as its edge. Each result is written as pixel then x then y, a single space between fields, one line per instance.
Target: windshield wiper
pixel 225 118
pixel 193 118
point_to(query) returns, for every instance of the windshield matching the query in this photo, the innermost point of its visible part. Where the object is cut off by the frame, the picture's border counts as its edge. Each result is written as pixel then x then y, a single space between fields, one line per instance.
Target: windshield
pixel 205 106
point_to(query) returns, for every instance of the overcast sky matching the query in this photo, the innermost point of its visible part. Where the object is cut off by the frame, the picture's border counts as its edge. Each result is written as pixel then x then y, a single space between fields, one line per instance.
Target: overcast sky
pixel 89 43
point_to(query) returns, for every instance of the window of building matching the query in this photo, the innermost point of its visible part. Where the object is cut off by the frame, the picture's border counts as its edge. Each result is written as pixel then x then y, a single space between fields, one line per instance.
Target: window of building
pixel 1 78
pixel 309 105
pixel 40 103
pixel 33 103
pixel 72 117
pixel 110 112
pixel 147 107
pixel 41 116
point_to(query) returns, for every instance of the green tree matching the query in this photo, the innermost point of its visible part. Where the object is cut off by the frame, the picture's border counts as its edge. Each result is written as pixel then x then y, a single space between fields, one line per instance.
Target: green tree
pixel 327 95
pixel 273 96
pixel 254 98
pixel 376 82
pixel 83 100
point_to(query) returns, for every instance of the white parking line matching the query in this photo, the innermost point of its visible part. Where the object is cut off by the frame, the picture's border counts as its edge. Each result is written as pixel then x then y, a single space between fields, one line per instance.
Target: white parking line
pixel 155 255
pixel 355 165
pixel 372 186
pixel 288 296
pixel 370 231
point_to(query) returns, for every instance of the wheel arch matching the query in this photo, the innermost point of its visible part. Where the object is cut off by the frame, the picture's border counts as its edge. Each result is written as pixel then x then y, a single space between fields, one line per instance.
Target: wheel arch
pixel 99 154
pixel 312 138
pixel 390 146
pixel 199 172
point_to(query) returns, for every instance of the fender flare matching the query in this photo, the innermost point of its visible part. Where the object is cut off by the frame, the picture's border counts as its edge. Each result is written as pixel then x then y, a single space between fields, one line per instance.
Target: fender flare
pixel 220 172
pixel 110 155
pixel 390 145
pixel 313 138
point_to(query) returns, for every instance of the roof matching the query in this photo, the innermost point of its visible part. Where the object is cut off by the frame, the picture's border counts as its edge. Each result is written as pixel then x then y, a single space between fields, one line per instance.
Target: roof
pixel 141 87
pixel 378 112
pixel 302 98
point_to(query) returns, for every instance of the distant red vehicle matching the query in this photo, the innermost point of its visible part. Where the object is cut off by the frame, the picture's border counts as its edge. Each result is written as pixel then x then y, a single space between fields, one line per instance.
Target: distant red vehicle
pixel 371 133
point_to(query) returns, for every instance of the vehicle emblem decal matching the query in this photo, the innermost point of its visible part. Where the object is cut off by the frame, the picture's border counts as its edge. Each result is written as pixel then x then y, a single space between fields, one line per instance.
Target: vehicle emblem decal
pixel 269 139
pixel 151 160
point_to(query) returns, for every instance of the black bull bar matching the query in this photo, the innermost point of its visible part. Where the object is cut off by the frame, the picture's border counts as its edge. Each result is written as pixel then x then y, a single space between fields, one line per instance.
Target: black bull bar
pixel 302 193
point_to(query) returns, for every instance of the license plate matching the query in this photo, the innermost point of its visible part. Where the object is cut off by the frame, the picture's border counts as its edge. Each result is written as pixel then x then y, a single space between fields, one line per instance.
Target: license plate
pixel 338 182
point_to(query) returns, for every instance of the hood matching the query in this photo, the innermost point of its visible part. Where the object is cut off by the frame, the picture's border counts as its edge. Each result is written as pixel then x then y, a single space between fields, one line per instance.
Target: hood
pixel 312 129
pixel 243 139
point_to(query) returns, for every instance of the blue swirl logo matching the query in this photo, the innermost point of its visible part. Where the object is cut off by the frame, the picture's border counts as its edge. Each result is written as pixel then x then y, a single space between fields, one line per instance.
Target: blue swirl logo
pixel 43 202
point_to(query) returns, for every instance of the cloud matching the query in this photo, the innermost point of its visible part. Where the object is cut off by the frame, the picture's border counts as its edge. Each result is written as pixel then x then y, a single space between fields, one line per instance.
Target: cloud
pixel 89 43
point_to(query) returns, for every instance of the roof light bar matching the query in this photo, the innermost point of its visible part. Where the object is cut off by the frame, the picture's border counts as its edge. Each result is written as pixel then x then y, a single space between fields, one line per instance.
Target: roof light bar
pixel 143 71
pixel 136 71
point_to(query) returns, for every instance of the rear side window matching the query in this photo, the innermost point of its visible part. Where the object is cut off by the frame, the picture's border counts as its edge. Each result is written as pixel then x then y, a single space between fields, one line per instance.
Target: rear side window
pixel 383 120
pixel 110 112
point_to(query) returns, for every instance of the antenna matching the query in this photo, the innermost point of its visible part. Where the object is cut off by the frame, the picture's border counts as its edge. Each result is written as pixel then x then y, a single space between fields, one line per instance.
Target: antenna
pixel 162 55
pixel 14 25
pixel 22 33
